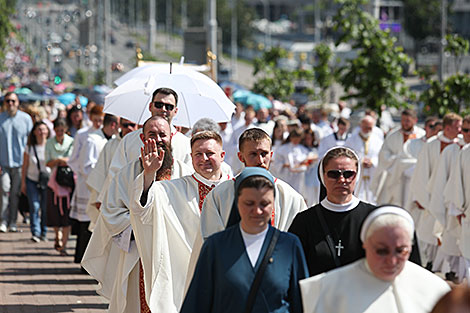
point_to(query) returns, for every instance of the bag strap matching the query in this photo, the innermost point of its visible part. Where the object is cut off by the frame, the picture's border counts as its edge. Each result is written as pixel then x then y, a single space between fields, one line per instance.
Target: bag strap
pixel 259 274
pixel 329 240
pixel 36 154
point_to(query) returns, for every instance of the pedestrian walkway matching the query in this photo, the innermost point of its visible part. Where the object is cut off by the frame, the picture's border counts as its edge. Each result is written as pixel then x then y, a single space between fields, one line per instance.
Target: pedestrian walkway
pixel 35 278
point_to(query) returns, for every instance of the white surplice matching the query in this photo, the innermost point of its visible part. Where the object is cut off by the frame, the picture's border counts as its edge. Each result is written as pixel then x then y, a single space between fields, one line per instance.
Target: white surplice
pixel 165 230
pixel 330 141
pixel 389 157
pixel 81 165
pixel 113 266
pixel 428 159
pixel 457 197
pixel 448 257
pixel 97 178
pixel 354 289
pixel 374 144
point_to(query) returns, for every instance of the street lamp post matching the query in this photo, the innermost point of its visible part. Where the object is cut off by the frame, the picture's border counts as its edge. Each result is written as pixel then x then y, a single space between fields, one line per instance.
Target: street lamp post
pixel 233 41
pixel 212 6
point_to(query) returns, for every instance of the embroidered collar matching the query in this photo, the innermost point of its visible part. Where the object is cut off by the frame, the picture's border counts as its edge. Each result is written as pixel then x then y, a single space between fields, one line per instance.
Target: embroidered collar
pixel 340 207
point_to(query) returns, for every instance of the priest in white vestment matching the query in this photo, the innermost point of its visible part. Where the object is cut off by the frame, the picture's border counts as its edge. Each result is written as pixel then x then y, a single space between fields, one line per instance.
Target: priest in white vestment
pixel 82 166
pixel 172 211
pixel 335 139
pixel 384 281
pixel 420 194
pixel 97 178
pixel 255 150
pixel 367 146
pixel 112 257
pixel 390 157
pixel 457 198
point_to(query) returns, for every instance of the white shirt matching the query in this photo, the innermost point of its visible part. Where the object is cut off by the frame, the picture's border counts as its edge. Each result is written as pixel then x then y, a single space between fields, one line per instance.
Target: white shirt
pixel 253 244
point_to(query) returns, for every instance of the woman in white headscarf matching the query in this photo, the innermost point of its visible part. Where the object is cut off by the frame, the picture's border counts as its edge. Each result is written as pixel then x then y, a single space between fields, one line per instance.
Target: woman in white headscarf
pixel 384 281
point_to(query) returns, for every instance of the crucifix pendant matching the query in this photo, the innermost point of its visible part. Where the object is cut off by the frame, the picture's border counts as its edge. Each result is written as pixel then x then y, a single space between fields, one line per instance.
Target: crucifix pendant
pixel 339 247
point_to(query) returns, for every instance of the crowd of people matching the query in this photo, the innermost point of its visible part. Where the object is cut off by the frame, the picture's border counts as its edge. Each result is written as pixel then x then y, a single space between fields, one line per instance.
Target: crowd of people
pixel 288 209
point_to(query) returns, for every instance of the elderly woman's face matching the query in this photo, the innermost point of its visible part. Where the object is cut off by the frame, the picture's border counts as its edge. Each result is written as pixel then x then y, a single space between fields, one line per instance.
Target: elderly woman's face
pixel 387 251
pixel 255 207
pixel 338 182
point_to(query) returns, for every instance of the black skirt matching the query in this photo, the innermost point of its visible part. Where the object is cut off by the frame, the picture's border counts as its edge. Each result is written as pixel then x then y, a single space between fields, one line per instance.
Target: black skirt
pixel 56 218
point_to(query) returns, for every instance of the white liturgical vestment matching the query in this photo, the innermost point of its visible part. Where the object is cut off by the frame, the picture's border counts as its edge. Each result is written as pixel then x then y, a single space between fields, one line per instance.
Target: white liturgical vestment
pixel 457 197
pixel 165 229
pixel 365 148
pixel 390 157
pixel 97 178
pixel 354 289
pixel 110 258
pixel 428 159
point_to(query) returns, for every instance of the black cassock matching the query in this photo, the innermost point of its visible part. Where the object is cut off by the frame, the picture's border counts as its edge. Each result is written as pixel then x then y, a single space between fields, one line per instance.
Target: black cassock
pixel 344 226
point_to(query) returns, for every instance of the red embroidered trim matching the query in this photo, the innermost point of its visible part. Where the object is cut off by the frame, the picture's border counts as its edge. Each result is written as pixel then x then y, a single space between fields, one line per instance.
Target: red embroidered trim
pixel 203 190
pixel 144 308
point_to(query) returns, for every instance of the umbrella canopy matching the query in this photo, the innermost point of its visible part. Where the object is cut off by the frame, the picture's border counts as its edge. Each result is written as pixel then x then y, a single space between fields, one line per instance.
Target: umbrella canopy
pixel 69 97
pixel 23 91
pixel 249 98
pixel 152 69
pixel 198 97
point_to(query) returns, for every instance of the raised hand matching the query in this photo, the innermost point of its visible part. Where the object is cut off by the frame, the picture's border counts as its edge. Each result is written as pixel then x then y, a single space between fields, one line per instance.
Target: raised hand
pixel 152 160
pixel 152 156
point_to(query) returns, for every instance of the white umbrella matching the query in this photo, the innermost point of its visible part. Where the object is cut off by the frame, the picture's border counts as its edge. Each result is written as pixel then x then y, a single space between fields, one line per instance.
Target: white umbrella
pixel 198 97
pixel 154 68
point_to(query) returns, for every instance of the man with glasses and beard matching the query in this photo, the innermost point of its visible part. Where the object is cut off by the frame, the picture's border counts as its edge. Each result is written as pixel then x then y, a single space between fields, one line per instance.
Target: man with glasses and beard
pixel 127 294
pixel 14 129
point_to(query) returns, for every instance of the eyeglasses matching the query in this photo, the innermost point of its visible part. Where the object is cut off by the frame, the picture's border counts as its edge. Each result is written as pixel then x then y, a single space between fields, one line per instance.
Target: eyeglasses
pixel 400 252
pixel 336 174
pixel 125 125
pixel 465 130
pixel 160 105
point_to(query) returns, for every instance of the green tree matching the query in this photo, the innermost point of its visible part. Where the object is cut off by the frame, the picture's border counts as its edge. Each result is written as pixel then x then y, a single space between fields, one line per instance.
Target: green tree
pixel 452 95
pixel 457 46
pixel 7 9
pixel 374 76
pixel 324 75
pixel 80 77
pixel 274 81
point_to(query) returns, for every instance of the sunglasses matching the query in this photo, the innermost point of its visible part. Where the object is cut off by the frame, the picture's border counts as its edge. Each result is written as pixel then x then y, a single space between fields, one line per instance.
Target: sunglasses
pixel 400 252
pixel 336 174
pixel 10 100
pixel 125 125
pixel 160 105
pixel 465 130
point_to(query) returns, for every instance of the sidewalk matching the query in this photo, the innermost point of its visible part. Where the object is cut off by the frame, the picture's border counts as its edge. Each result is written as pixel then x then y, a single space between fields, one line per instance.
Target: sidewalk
pixel 35 278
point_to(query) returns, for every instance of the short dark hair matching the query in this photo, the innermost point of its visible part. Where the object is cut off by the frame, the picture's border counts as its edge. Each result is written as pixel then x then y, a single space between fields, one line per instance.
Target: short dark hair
pixel 409 112
pixel 253 134
pixel 61 122
pixel 256 181
pixel 466 119
pixel 9 94
pixel 166 91
pixel 343 121
pixel 109 118
pixel 206 135
pixel 430 119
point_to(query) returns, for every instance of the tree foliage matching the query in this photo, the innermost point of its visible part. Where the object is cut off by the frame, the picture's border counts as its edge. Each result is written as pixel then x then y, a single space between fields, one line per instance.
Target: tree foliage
pixel 7 9
pixel 458 47
pixel 324 75
pixel 452 95
pixel 274 81
pixel 374 77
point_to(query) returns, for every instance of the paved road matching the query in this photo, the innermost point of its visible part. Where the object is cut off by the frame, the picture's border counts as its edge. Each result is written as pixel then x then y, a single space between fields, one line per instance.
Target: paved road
pixel 35 278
